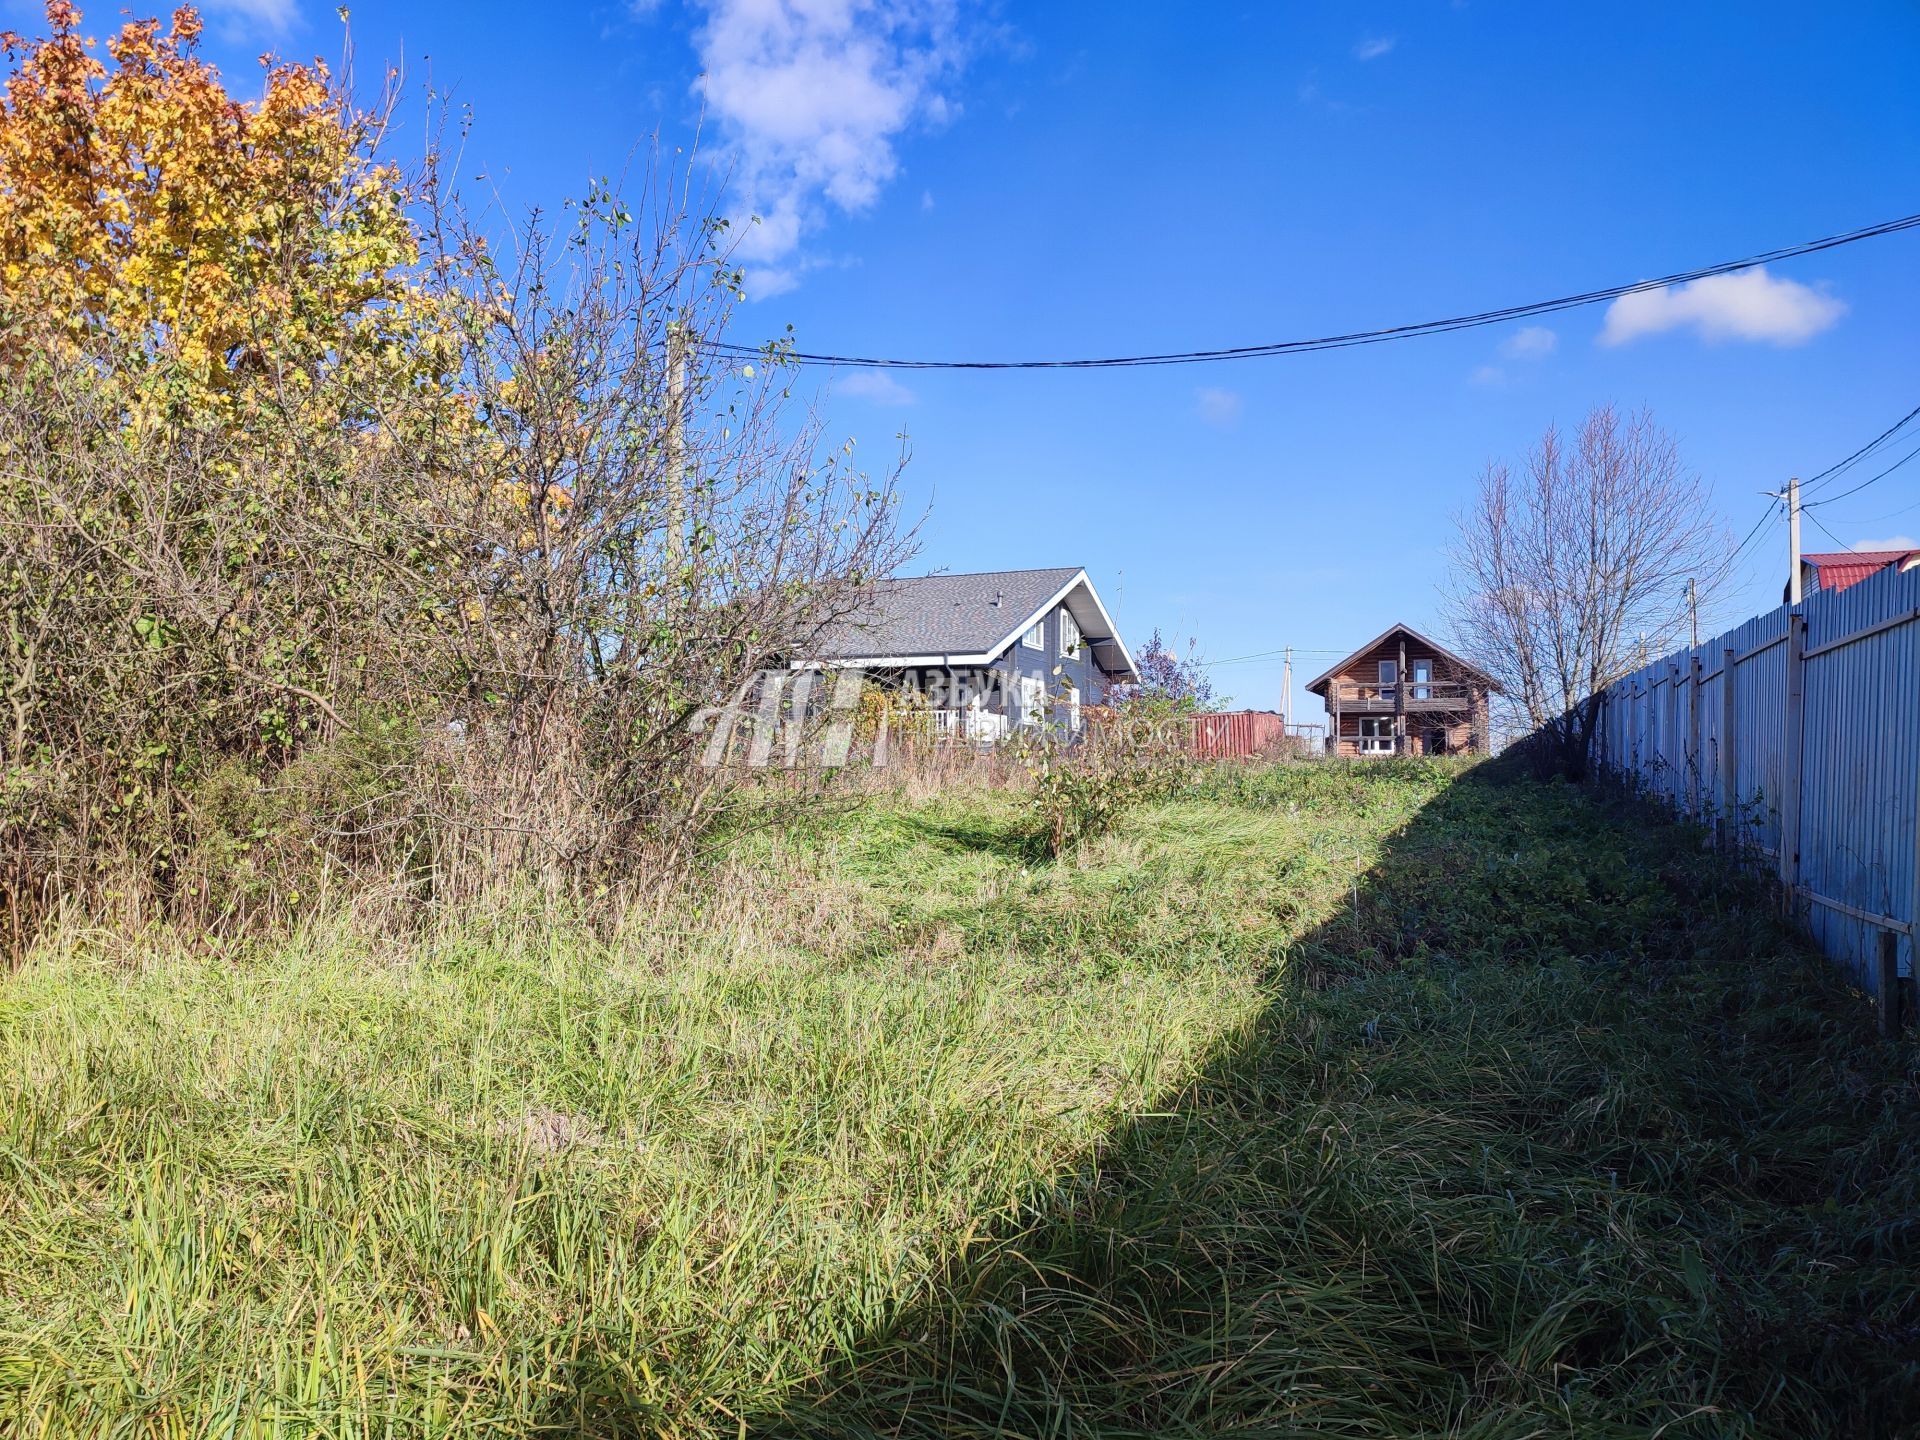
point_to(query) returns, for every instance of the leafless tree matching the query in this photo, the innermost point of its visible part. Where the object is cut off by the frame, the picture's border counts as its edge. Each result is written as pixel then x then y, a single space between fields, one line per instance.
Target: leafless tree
pixel 1573 571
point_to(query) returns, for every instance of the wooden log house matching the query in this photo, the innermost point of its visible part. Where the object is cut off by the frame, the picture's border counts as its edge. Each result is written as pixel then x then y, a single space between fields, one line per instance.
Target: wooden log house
pixel 1403 694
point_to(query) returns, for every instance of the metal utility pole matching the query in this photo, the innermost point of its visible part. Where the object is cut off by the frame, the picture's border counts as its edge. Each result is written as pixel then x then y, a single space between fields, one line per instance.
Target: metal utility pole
pixel 1693 612
pixel 1793 537
pixel 676 453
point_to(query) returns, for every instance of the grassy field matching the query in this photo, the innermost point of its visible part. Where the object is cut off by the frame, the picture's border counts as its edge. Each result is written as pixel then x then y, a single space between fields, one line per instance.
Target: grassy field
pixel 1379 1101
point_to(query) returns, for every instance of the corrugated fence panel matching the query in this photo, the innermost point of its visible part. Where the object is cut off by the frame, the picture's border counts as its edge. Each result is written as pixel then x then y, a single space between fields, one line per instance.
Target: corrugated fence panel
pixel 1861 762
pixel 1236 734
pixel 1666 728
pixel 1760 728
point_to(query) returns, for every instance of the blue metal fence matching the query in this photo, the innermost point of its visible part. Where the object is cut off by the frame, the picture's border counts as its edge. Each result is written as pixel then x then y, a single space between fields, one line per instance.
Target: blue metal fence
pixel 1798 733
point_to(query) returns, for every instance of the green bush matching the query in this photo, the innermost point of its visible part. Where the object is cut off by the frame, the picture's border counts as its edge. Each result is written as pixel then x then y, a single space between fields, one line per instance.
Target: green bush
pixel 1135 752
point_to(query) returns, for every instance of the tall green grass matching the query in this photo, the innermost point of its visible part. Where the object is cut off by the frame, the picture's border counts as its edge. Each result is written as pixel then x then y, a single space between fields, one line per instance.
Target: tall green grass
pixel 1373 1100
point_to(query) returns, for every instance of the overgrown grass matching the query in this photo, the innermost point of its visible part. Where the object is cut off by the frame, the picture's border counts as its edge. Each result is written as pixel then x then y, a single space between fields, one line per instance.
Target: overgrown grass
pixel 1377 1100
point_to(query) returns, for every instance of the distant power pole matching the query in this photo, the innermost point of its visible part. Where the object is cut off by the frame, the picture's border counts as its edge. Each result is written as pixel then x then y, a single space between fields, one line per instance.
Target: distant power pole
pixel 1693 612
pixel 1286 688
pixel 1793 537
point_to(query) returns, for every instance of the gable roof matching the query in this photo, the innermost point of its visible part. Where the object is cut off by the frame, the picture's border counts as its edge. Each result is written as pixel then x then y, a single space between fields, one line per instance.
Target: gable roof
pixel 1318 684
pixel 1837 569
pixel 969 619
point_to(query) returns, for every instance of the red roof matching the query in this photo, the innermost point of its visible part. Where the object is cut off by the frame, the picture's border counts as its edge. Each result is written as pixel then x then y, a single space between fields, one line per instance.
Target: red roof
pixel 1838 569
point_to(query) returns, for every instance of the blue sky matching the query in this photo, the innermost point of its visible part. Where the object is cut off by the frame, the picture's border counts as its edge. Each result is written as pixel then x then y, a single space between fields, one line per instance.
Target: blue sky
pixel 964 180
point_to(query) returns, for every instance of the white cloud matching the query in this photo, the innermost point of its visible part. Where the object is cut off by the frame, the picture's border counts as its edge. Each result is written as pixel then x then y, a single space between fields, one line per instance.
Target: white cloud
pixel 1491 376
pixel 875 385
pixel 926 202
pixel 1892 542
pixel 1217 406
pixel 763 282
pixel 1374 46
pixel 811 96
pixel 1530 342
pixel 1747 305
pixel 240 16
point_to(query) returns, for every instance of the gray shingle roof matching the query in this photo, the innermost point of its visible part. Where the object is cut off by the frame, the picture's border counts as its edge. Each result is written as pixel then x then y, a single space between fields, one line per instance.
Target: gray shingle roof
pixel 954 615
pixel 943 614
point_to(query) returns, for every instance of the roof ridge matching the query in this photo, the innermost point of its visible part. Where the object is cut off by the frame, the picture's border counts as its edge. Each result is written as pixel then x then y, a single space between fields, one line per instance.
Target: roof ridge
pixel 983 574
pixel 1327 675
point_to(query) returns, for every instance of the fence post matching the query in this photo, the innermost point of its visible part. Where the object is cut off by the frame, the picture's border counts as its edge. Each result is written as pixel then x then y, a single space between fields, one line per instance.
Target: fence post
pixel 1693 737
pixel 1888 987
pixel 1729 755
pixel 1790 762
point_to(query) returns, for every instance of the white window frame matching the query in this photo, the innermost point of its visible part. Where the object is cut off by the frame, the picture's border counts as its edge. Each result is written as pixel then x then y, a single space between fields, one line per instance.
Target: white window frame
pixel 1389 678
pixel 1421 685
pixel 1030 700
pixel 1073 708
pixel 1375 735
pixel 1036 636
pixel 1069 633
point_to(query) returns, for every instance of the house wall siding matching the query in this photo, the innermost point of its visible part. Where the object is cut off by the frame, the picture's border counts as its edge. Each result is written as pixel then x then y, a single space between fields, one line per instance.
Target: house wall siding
pixel 995 680
pixel 1423 731
pixel 1079 668
pixel 1427 731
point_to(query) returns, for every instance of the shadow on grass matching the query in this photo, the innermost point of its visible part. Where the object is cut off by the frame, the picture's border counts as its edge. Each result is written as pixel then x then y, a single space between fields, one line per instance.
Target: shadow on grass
pixel 1547 1131
pixel 988 835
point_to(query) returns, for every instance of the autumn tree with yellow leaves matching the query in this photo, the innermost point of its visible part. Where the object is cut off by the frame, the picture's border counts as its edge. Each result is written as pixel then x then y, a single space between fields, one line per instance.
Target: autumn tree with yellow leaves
pixel 338 539
pixel 145 215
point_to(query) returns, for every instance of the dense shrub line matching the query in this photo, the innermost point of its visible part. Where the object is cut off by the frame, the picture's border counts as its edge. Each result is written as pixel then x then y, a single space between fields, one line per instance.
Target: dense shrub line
pixel 340 543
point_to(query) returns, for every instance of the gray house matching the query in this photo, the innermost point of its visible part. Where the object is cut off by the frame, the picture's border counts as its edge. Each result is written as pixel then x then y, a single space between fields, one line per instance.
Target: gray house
pixel 989 652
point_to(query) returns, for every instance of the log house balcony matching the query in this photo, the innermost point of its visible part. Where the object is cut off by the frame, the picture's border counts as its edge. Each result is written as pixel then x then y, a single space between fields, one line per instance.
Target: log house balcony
pixel 1423 696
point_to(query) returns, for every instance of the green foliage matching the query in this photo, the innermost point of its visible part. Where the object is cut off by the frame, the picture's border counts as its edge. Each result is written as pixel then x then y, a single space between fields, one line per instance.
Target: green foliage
pixel 1377 1099
pixel 1135 753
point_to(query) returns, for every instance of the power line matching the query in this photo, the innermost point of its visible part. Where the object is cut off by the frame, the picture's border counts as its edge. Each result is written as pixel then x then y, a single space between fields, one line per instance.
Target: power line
pixel 1889 515
pixel 1740 549
pixel 1270 654
pixel 1337 342
pixel 1827 475
pixel 1823 528
pixel 1806 510
pixel 1874 480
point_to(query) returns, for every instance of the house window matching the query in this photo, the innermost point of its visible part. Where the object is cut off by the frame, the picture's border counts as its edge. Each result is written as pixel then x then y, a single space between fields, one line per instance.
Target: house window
pixel 1376 735
pixel 1422 680
pixel 1389 677
pixel 1072 695
pixel 1069 633
pixel 1029 700
pixel 1036 636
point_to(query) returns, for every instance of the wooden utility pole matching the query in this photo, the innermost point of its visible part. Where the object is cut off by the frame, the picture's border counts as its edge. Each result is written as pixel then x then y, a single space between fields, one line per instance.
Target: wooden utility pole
pixel 1286 688
pixel 1793 538
pixel 1693 612
pixel 676 453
